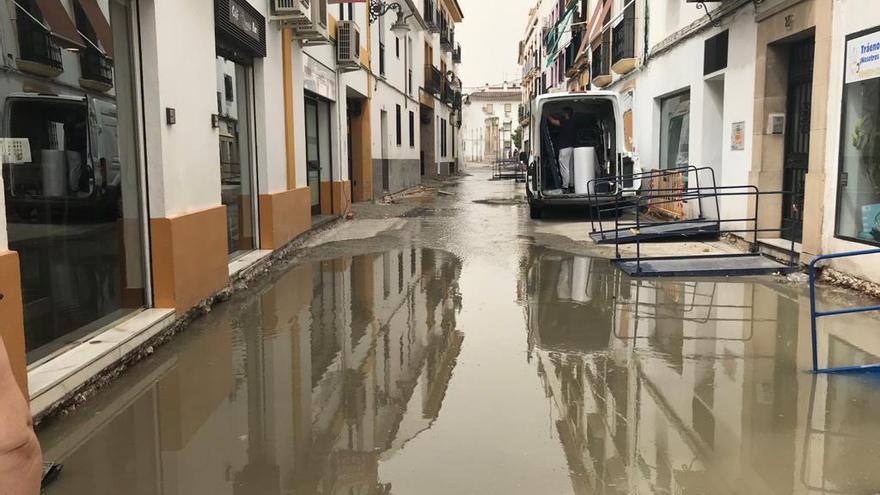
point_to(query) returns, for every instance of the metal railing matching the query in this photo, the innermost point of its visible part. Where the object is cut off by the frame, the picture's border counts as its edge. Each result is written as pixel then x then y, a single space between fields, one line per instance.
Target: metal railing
pixel 815 314
pixel 433 79
pixel 95 66
pixel 37 45
pixel 601 65
pixel 697 193
pixel 431 15
pixel 623 40
pixel 604 188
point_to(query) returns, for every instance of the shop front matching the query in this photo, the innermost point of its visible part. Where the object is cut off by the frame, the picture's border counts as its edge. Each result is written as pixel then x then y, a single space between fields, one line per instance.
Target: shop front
pixel 241 38
pixel 319 96
pixel 72 172
pixel 858 187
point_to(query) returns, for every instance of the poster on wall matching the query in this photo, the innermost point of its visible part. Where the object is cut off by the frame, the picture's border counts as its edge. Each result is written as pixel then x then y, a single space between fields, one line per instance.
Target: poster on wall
pixel 738 136
pixel 863 58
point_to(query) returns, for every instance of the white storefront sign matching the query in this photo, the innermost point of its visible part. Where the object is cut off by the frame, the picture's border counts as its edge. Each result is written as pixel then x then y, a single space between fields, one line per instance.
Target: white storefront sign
pixel 863 58
pixel 319 79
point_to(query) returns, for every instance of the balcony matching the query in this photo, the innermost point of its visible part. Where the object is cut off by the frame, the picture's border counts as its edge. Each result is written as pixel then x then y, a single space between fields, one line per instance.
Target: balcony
pixel 457 101
pixel 571 53
pixel 97 70
pixel 448 96
pixel 38 52
pixel 432 80
pixel 600 68
pixel 432 16
pixel 456 54
pixel 623 44
pixel 446 40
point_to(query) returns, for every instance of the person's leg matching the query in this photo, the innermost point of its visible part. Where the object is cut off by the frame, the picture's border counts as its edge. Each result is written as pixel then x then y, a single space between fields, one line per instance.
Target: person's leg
pixel 566 156
pixel 20 458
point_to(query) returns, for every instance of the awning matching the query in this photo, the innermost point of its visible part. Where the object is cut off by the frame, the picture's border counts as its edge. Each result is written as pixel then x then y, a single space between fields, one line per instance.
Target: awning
pixel 59 23
pixel 99 24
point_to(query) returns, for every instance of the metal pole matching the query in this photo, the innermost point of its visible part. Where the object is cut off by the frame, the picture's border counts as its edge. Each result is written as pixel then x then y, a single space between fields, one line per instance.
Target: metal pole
pixel 812 272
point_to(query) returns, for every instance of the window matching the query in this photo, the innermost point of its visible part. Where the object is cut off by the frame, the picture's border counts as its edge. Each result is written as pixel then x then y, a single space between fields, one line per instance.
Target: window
pixel 412 129
pixel 382 46
pixel 858 185
pixel 227 88
pixel 76 170
pixel 715 54
pixel 397 48
pixel 675 130
pixel 443 137
pixel 399 130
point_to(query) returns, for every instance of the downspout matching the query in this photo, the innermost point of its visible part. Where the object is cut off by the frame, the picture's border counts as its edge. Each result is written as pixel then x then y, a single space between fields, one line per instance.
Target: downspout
pixel 645 20
pixel 287 78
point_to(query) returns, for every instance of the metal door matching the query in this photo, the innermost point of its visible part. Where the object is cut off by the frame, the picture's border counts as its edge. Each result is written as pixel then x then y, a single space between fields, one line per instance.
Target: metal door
pixel 797 137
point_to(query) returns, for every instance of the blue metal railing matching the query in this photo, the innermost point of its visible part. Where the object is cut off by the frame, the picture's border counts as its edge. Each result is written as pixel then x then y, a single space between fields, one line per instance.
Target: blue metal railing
pixel 815 315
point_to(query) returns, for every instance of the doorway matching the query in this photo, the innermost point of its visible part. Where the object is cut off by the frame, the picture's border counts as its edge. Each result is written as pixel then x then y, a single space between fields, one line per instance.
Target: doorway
pixel 313 155
pixel 236 151
pixel 798 110
pixel 384 144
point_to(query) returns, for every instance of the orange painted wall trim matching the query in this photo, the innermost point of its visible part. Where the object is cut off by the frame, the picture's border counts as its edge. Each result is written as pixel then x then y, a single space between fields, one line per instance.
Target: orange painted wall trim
pixel 190 258
pixel 283 216
pixel 12 316
pixel 287 79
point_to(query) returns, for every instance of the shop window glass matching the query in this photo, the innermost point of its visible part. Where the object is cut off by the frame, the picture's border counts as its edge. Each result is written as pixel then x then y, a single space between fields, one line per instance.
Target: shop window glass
pixel 72 190
pixel 675 130
pixel 858 202
pixel 236 162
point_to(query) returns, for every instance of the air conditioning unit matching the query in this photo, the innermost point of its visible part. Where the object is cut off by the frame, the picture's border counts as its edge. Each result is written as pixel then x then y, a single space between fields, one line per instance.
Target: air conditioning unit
pixel 291 13
pixel 348 46
pixel 315 32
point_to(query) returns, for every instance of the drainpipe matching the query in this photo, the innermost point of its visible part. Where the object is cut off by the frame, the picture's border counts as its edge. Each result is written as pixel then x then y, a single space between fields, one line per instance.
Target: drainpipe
pixel 646 18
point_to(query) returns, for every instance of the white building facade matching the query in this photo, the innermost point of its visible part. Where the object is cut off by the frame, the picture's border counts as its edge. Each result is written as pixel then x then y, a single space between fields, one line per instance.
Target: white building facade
pixel 153 150
pixel 491 123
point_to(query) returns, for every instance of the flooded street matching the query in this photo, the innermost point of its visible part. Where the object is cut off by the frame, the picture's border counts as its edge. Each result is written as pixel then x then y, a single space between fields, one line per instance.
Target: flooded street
pixel 450 345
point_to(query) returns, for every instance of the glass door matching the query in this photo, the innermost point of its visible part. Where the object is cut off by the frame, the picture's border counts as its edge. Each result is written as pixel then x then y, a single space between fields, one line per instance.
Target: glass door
pixel 236 157
pixel 313 154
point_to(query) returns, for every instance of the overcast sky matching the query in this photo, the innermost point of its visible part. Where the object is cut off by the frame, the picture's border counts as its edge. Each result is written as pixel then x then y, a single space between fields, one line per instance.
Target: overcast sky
pixel 489 36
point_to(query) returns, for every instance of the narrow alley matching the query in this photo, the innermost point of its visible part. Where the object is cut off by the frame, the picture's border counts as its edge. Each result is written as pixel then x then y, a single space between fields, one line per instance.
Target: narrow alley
pixel 446 344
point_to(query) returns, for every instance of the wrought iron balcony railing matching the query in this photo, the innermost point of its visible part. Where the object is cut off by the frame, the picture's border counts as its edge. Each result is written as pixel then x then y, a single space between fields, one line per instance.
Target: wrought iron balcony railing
pixel 37 46
pixel 433 79
pixel 623 44
pixel 96 67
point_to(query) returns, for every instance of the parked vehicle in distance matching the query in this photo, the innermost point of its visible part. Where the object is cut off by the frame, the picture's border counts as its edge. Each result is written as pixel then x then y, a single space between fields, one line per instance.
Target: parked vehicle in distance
pixel 598 152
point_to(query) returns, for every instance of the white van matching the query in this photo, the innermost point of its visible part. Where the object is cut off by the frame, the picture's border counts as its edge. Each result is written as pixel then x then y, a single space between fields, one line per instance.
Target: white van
pixel 599 152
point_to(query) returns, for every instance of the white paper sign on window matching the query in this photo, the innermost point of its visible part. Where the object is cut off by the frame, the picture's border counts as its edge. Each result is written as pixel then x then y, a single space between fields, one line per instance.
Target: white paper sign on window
pixel 863 58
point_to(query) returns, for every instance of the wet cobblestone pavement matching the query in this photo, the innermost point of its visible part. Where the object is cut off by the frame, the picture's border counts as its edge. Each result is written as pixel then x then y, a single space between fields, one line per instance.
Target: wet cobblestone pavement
pixel 450 345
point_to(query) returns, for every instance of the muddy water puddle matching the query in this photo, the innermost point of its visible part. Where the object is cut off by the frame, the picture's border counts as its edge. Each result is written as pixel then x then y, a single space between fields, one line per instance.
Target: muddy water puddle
pixel 396 373
pixel 416 371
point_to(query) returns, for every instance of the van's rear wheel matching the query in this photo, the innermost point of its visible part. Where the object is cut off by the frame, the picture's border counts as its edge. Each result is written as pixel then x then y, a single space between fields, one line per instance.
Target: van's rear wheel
pixel 535 212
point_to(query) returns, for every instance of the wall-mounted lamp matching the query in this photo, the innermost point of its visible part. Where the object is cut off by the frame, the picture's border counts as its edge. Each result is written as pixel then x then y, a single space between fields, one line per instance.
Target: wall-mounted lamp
pixel 378 8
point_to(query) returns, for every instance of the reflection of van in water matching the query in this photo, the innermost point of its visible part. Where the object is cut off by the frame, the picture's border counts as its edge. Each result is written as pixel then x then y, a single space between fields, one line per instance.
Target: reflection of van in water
pixel 74 167
pixel 599 152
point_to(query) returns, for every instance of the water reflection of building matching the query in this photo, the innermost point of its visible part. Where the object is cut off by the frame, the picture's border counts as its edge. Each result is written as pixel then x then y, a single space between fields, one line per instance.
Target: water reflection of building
pixel 698 387
pixel 297 390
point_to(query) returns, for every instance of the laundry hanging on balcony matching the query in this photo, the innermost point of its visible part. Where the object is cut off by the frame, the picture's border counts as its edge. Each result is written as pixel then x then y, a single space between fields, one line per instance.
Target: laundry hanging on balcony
pixel 559 34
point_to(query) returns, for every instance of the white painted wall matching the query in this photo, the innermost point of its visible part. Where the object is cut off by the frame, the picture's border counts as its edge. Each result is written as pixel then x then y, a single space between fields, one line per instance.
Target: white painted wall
pixel 676 70
pixel 183 159
pixel 473 129
pixel 268 95
pixel 850 16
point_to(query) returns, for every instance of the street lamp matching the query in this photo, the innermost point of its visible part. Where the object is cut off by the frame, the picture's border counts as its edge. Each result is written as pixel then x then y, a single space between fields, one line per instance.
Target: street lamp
pixel 378 8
